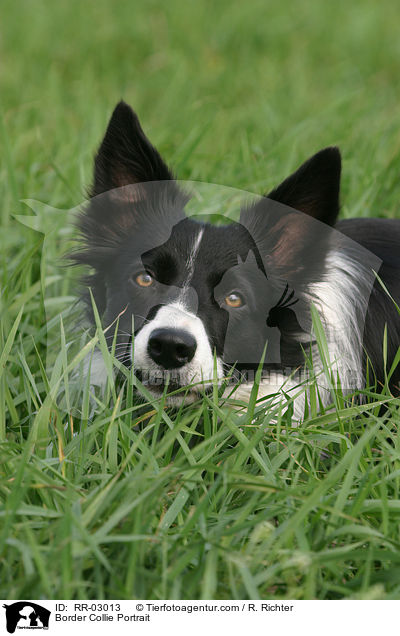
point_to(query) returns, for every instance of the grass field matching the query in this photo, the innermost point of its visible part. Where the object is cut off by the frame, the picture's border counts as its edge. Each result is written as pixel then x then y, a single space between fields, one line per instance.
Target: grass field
pixel 207 502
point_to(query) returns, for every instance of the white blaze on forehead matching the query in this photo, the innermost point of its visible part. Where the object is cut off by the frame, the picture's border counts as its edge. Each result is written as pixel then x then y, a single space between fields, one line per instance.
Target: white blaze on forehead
pixel 183 299
pixel 193 255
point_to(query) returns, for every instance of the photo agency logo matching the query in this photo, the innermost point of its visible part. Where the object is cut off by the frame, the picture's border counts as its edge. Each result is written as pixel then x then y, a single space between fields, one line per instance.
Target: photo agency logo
pixel 192 284
pixel 26 615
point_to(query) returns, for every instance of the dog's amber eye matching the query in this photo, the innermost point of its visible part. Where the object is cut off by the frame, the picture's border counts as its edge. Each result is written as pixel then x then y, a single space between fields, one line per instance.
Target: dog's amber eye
pixel 144 279
pixel 234 300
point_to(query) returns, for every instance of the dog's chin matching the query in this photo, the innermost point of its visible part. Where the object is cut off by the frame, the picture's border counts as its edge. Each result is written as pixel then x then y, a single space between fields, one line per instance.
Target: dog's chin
pixel 177 393
pixel 180 395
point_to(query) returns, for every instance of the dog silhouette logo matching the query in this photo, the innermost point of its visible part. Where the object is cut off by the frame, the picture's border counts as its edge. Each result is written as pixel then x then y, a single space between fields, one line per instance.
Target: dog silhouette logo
pixel 26 615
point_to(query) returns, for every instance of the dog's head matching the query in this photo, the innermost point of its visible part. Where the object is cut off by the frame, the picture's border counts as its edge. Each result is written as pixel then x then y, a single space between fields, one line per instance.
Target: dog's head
pixel 200 297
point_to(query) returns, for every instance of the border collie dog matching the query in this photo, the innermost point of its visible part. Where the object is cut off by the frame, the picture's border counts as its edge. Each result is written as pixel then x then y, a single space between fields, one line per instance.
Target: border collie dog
pixel 206 300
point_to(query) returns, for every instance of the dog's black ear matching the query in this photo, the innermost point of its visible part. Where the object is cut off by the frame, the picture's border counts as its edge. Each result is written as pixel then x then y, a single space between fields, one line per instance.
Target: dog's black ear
pixel 314 188
pixel 125 155
pixel 292 243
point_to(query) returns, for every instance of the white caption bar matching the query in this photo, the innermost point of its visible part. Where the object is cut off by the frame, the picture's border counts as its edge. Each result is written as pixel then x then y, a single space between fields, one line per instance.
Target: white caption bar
pixel 183 617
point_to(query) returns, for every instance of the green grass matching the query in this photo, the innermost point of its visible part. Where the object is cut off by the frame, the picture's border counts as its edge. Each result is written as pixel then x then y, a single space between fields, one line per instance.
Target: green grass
pixel 207 502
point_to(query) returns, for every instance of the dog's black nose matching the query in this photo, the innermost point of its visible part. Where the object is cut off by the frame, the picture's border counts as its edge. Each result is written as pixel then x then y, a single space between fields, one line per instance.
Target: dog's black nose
pixel 171 348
